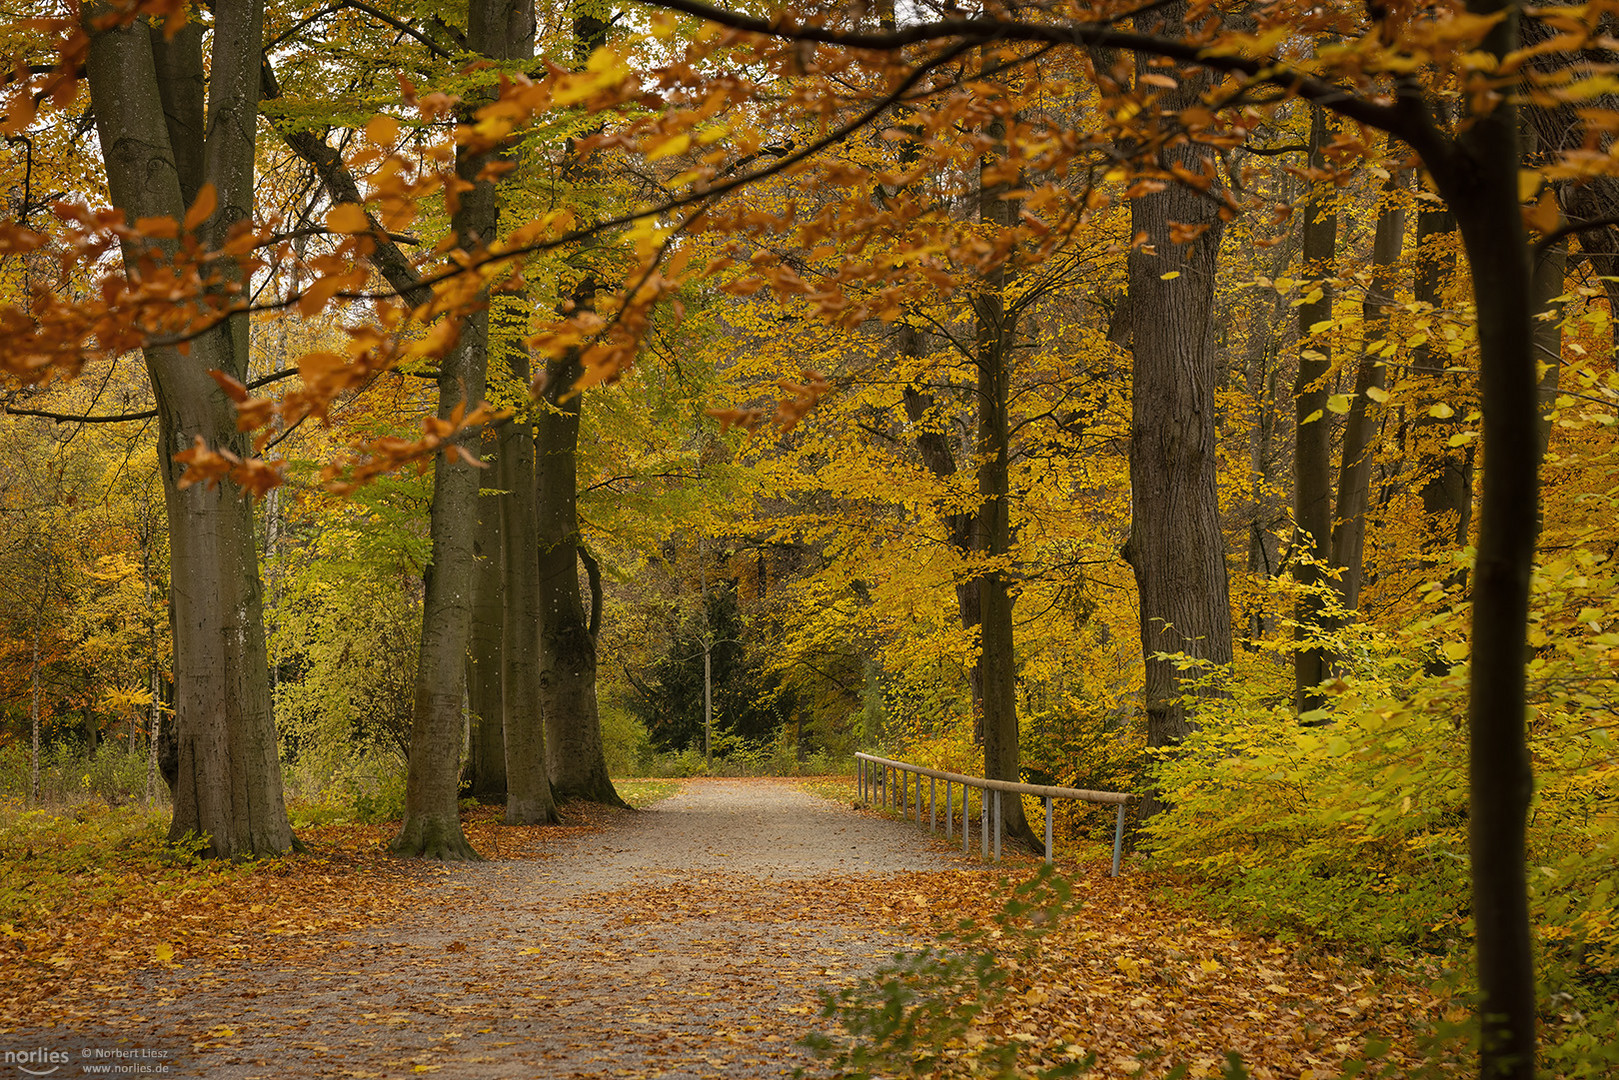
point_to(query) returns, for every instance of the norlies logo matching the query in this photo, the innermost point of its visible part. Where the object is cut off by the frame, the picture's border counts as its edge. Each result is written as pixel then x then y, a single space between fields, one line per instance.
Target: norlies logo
pixel 39 1062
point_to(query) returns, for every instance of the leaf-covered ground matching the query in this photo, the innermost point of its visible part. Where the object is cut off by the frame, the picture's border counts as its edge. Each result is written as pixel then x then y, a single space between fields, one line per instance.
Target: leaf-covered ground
pixel 690 940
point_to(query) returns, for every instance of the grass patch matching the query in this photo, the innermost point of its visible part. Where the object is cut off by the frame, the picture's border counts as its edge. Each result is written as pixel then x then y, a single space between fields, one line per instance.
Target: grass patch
pixel 643 793
pixel 839 789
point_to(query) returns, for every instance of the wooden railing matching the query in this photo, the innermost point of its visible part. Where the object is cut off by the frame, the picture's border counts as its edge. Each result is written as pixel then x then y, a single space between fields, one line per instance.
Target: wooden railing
pixel 877 776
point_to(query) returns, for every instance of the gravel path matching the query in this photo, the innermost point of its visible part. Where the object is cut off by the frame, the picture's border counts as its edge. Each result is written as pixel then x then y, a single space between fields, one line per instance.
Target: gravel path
pixel 688 940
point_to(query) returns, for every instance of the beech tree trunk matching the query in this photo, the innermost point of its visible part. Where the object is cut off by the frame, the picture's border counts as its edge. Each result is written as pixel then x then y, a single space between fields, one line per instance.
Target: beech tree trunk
pixel 159 148
pixel 1446 472
pixel 997 659
pixel 432 825
pixel 1479 178
pixel 33 719
pixel 1176 545
pixel 485 776
pixel 567 676
pixel 529 798
pixel 567 645
pixel 1355 467
pixel 1312 438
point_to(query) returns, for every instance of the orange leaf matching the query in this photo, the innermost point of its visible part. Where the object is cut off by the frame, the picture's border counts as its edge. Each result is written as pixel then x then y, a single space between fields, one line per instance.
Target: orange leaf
pixel 202 208
pixel 233 389
pixel 348 218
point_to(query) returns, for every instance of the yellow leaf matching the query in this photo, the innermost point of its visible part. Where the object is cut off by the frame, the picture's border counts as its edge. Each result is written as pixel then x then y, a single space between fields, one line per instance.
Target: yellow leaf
pixel 1171 276
pixel 1210 966
pixel 164 953
pixel 1339 403
pixel 347 218
pixel 1312 418
pixel 1378 394
pixel 1455 651
pixel 1441 411
pixel 382 130
pixel 679 144
pixel 1529 181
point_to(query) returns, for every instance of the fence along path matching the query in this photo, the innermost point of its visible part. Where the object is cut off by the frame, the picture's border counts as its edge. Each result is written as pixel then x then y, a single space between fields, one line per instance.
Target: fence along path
pixel 876 774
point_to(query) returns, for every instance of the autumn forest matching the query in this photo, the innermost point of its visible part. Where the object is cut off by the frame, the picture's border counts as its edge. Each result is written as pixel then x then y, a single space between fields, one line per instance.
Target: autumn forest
pixel 423 427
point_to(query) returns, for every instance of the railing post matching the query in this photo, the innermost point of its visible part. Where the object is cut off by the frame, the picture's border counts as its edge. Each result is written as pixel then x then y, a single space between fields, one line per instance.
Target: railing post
pixel 1048 830
pixel 933 813
pixel 966 819
pixel 1000 821
pixel 949 818
pixel 919 798
pixel 860 779
pixel 983 826
pixel 1118 840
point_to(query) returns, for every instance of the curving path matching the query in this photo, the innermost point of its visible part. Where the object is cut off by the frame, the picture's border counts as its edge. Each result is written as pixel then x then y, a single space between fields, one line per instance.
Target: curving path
pixel 687 940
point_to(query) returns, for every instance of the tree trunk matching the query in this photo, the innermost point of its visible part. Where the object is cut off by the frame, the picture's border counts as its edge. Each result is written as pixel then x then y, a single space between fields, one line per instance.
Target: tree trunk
pixel 567 647
pixel 33 716
pixel 1312 439
pixel 997 660
pixel 1176 545
pixel 573 741
pixel 529 799
pixel 228 787
pixel 1551 269
pixel 1480 181
pixel 1355 468
pixel 432 825
pixel 1446 473
pixel 485 777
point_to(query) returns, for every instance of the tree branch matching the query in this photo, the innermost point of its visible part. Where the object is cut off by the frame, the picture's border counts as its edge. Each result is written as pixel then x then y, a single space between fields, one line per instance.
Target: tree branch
pixel 124 418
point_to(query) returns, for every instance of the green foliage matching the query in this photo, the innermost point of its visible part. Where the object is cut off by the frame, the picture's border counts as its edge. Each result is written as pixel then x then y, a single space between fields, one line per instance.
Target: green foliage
pixel 94 857
pixel 916 1015
pixel 69 773
pixel 626 746
pixel 747 702
pixel 1352 831
pixel 344 627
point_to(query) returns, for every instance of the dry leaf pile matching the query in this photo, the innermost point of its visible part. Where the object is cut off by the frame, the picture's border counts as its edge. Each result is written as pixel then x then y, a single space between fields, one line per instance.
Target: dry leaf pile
pixel 363 966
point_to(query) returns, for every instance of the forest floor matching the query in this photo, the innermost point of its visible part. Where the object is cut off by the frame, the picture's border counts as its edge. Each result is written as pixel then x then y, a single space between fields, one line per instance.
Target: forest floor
pixel 693 939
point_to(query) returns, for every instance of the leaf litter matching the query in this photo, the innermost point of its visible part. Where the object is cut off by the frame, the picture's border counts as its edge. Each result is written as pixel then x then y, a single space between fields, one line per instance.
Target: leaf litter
pixel 693 940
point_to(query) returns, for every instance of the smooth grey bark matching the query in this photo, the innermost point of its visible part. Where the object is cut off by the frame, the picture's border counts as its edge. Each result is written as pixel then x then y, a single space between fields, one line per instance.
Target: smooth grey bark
pixel 567 646
pixel 485 775
pixel 1446 473
pixel 961 529
pixel 997 654
pixel 159 149
pixel 432 825
pixel 529 798
pixel 1551 270
pixel 1176 545
pixel 33 720
pixel 1312 438
pixel 1355 466
pixel 567 675
pixel 1480 182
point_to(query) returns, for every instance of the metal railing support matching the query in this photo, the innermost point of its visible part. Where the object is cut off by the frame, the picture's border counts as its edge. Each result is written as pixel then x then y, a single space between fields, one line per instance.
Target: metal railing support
pixel 966 819
pixel 983 826
pixel 1118 840
pixel 873 771
pixel 1048 835
pixel 1000 823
